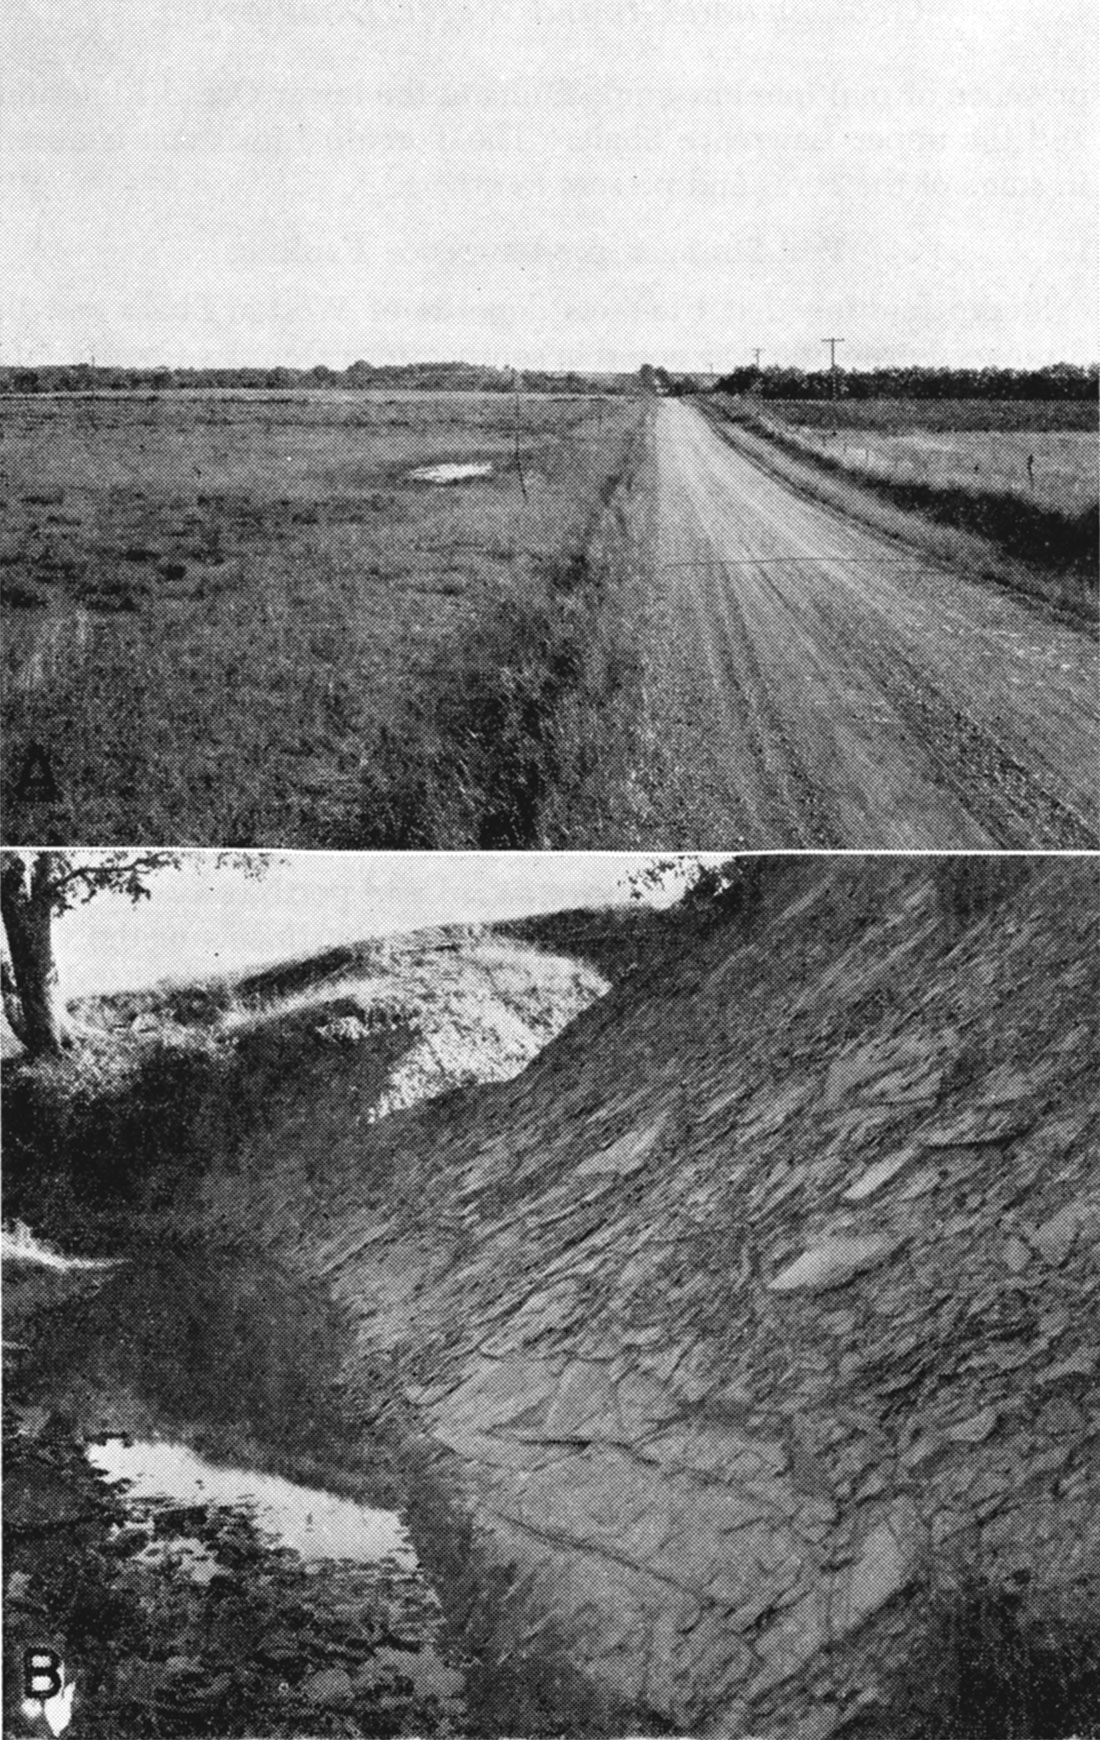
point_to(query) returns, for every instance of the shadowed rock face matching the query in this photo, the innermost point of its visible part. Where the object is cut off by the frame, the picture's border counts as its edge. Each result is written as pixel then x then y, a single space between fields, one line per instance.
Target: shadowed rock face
pixel 768 1293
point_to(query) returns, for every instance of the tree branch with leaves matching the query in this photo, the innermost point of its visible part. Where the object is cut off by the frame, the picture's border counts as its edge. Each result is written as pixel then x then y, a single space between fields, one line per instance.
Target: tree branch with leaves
pixel 35 888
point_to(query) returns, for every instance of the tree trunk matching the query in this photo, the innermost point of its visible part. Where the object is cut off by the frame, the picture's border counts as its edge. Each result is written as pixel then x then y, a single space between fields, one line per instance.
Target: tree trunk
pixel 26 904
pixel 13 1006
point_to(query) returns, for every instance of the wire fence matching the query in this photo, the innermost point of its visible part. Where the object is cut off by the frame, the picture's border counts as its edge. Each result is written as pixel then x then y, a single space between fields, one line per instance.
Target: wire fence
pixel 1030 470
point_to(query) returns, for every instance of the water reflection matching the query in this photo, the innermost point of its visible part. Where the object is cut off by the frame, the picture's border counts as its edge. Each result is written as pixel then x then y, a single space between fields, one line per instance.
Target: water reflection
pixel 452 473
pixel 18 1244
pixel 223 1354
pixel 255 1544
pixel 315 1523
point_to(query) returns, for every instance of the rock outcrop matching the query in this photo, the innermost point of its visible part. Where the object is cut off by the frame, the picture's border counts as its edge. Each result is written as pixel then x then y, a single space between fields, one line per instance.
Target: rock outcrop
pixel 765 1298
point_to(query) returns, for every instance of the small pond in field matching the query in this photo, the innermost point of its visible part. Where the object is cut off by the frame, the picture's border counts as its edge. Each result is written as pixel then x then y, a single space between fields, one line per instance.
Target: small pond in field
pixel 451 473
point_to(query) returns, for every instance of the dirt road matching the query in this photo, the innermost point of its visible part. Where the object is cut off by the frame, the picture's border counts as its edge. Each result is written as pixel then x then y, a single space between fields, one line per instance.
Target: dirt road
pixel 812 683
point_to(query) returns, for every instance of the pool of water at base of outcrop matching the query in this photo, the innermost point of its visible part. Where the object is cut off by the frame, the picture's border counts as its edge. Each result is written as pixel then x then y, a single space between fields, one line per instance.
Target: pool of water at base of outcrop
pixel 315 1523
pixel 249 1557
pixel 356 1633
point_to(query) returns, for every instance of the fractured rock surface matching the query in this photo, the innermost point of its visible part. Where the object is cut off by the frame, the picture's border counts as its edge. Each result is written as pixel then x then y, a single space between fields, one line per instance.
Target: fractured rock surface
pixel 767 1291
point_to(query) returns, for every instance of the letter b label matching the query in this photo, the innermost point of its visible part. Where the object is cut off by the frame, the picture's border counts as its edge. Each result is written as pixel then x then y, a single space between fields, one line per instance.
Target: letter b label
pixel 42 1674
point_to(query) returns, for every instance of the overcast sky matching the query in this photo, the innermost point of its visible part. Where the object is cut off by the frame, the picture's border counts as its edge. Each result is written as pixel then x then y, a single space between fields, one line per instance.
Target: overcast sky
pixel 559 182
pixel 207 917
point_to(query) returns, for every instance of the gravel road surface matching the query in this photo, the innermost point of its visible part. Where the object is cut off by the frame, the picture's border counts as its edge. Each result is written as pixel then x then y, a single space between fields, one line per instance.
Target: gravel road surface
pixel 811 683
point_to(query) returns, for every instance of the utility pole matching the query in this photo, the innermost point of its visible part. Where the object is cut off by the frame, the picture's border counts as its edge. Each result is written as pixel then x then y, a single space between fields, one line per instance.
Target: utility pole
pixel 519 458
pixel 832 344
pixel 757 354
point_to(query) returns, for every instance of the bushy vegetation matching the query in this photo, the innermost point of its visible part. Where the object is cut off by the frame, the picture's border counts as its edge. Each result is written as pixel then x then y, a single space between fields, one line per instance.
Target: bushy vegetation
pixel 1063 381
pixel 477 756
pixel 473 759
pixel 941 416
pixel 359 377
pixel 739 888
pixel 125 1125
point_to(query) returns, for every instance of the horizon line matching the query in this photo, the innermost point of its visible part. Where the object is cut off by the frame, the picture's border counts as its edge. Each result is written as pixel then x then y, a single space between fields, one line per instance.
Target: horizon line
pixel 542 368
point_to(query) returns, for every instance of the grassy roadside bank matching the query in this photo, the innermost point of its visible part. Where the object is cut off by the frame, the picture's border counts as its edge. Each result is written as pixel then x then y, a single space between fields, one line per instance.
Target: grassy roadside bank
pixel 521 733
pixel 1035 551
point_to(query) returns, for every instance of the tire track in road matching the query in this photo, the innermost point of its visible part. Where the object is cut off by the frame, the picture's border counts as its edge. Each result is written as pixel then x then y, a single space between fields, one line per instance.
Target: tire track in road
pixel 975 766
pixel 971 761
pixel 802 807
pixel 816 688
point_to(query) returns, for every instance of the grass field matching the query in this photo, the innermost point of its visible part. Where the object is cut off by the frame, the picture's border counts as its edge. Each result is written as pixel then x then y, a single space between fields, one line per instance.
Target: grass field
pixel 963 442
pixel 962 466
pixel 240 618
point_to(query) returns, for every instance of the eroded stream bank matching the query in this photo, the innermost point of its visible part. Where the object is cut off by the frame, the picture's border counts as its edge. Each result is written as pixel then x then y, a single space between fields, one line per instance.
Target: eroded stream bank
pixel 200 1517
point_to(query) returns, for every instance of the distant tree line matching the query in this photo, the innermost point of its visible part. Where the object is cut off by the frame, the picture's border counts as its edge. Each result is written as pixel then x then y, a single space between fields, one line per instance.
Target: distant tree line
pixel 655 379
pixel 440 377
pixel 1056 381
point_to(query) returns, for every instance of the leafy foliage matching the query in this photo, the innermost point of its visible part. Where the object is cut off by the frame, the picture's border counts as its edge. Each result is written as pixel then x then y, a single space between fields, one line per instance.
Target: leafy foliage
pixel 716 890
pixel 68 879
pixel 361 376
pixel 1056 381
